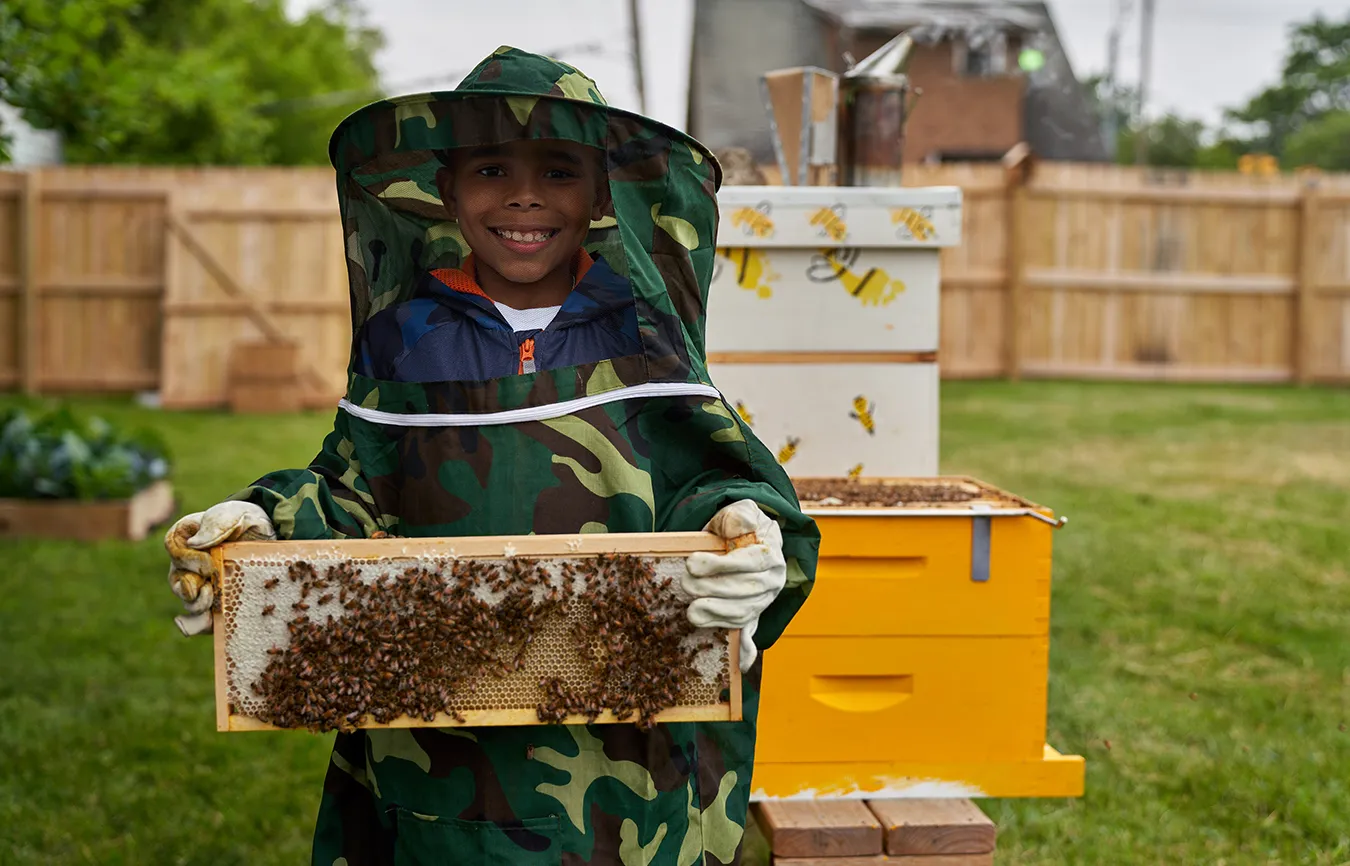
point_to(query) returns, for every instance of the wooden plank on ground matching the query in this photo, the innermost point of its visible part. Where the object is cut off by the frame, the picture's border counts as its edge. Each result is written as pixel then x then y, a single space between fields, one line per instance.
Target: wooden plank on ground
pixel 883 860
pixel 937 826
pixel 819 828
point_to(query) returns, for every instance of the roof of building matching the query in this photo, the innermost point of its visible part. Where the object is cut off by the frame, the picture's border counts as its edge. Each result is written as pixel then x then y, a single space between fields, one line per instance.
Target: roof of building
pixel 1060 120
pixel 956 14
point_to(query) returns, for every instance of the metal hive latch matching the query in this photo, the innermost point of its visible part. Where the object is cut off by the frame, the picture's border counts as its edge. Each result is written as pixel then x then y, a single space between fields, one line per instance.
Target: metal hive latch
pixel 981 537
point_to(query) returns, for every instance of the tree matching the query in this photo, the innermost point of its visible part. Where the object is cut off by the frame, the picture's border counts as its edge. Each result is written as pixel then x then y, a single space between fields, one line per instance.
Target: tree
pixel 1172 141
pixel 1324 142
pixel 1314 82
pixel 164 81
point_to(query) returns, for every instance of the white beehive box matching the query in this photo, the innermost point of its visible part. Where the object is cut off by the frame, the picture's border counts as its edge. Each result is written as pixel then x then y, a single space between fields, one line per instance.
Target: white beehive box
pixel 823 323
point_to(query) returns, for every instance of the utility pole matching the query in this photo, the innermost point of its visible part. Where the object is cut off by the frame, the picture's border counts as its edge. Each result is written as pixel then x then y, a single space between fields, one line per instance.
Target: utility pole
pixel 635 28
pixel 1111 120
pixel 1145 74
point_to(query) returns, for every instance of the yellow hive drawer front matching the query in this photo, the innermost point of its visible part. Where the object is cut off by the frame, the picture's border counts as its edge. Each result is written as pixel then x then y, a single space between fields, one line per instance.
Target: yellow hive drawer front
pixel 927 699
pixel 1047 775
pixel 902 575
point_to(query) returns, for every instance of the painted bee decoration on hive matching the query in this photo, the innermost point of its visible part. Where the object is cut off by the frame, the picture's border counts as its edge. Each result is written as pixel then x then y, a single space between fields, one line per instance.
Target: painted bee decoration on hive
pixel 862 411
pixel 874 287
pixel 753 271
pixel 742 411
pixel 831 221
pixel 754 221
pixel 788 451
pixel 856 472
pixel 914 224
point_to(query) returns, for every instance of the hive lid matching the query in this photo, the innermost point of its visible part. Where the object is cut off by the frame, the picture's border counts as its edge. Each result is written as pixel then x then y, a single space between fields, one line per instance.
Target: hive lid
pixel 953 496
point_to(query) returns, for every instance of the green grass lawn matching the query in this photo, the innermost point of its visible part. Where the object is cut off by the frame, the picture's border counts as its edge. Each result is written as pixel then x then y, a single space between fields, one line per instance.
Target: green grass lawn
pixel 1200 657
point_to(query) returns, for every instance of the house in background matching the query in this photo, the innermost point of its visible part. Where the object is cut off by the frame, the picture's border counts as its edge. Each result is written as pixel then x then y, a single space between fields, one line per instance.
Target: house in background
pixel 977 99
pixel 28 146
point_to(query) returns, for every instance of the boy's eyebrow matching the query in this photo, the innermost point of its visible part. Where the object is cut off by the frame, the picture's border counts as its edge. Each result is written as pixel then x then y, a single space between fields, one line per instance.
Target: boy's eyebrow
pixel 492 151
pixel 563 156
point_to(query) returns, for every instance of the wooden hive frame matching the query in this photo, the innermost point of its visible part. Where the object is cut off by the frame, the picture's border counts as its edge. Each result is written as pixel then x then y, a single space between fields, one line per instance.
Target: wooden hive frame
pixel 398 553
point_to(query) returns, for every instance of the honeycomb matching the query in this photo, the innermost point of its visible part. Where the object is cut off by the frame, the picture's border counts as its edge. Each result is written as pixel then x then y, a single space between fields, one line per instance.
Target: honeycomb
pixel 258 608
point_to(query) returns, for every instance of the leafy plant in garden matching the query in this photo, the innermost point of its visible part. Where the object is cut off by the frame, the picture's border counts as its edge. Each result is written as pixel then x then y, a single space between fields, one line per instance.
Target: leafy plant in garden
pixel 58 456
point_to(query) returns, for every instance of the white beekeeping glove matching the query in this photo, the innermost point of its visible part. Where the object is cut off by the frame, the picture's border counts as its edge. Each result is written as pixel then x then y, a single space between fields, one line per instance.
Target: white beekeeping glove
pixel 732 589
pixel 190 566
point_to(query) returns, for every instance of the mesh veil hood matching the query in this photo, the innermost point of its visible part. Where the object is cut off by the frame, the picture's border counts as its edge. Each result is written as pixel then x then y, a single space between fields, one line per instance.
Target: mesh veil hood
pixel 663 185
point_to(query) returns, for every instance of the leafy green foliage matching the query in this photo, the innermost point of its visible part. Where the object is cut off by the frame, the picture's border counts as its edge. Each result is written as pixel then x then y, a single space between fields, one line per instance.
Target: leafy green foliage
pixel 162 81
pixel 58 456
pixel 1314 82
pixel 1324 142
pixel 1302 119
pixel 1172 141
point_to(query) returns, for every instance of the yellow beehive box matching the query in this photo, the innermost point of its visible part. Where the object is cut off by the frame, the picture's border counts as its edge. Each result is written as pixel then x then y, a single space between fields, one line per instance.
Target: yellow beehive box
pixel 918 666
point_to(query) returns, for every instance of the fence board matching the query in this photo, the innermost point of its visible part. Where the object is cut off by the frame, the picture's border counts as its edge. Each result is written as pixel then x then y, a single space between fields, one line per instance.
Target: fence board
pixel 255 261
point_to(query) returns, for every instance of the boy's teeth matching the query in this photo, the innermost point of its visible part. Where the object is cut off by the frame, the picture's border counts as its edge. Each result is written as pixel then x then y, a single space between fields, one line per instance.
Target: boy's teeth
pixel 525 237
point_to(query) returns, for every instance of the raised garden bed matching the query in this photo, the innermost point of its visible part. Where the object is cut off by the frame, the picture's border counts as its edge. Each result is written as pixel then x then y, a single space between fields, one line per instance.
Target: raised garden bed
pixel 129 519
pixel 82 480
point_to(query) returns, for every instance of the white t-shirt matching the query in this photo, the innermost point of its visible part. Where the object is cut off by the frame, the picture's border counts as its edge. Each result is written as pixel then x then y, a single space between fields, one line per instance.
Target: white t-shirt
pixel 528 320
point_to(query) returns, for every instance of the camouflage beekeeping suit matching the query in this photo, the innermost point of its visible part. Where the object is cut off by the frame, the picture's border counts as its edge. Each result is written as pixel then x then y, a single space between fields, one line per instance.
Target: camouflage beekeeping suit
pixel 636 443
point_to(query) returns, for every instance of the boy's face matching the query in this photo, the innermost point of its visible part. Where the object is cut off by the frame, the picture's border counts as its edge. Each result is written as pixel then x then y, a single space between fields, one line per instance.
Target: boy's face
pixel 525 206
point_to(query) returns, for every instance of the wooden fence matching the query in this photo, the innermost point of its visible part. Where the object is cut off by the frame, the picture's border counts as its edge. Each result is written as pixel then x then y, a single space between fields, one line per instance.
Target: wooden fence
pixel 1110 272
pixel 142 279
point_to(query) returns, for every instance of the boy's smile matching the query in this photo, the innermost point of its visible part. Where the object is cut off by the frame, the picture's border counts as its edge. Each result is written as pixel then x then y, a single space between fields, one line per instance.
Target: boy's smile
pixel 525 208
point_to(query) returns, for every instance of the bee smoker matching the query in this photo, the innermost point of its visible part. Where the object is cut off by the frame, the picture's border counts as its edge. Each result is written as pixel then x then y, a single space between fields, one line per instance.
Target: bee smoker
pixel 876 99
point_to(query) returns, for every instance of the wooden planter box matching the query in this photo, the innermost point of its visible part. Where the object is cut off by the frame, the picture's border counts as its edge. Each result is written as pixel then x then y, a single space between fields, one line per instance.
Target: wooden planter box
pixel 75 520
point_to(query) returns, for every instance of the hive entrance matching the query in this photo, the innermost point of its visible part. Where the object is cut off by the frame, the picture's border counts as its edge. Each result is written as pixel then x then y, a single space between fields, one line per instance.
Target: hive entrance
pixel 335 635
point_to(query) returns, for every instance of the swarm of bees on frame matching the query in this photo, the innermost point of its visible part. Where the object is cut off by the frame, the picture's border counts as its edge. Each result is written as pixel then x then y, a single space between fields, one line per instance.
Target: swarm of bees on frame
pixel 413 644
pixel 634 641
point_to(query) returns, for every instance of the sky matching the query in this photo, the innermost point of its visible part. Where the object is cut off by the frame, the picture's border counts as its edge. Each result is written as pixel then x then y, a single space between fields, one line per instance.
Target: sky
pixel 1208 54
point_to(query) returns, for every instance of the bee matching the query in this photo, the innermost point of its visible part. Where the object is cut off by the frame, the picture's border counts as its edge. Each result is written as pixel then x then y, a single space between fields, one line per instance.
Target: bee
pixel 267 611
pixel 753 272
pixel 268 584
pixel 754 221
pixel 325 598
pixel 914 223
pixel 856 472
pixel 862 410
pixel 788 451
pixel 300 605
pixel 742 411
pixel 831 222
pixel 873 287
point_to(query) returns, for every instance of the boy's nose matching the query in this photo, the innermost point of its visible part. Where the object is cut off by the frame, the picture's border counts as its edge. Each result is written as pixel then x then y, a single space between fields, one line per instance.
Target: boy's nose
pixel 524 194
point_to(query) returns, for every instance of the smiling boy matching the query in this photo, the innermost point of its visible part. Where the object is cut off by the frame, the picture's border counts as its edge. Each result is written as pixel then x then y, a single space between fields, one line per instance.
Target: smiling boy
pixel 529 270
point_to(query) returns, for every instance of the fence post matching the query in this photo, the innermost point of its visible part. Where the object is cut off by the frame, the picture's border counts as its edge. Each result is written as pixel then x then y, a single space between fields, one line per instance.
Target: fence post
pixel 1306 290
pixel 1017 165
pixel 29 267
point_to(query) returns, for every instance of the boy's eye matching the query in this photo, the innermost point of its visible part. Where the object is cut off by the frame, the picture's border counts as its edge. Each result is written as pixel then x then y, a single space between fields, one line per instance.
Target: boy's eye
pixel 490 171
pixel 559 174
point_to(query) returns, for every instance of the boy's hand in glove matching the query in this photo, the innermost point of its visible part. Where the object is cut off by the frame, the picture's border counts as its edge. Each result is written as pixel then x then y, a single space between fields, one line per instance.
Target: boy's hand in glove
pixel 190 566
pixel 732 589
